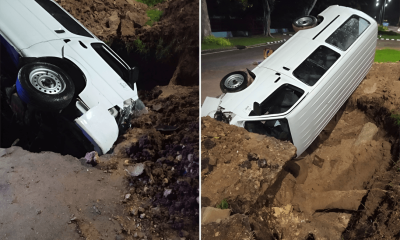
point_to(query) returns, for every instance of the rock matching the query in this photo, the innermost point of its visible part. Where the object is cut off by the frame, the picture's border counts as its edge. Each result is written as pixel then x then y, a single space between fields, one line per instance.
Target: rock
pixel 246 164
pixel 92 157
pixel 157 107
pixel 318 161
pixel 140 234
pixel 367 133
pixel 127 196
pixel 113 21
pixel 210 214
pixel 135 170
pixel 141 210
pixel 209 144
pixel 167 192
pixel 136 18
pixel 127 28
pixel 138 4
pixel 142 215
pixel 134 211
pixel 212 161
pixel 262 163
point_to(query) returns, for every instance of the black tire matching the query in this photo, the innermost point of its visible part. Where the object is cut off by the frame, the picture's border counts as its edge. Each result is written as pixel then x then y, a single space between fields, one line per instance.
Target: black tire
pixel 44 86
pixel 304 22
pixel 234 82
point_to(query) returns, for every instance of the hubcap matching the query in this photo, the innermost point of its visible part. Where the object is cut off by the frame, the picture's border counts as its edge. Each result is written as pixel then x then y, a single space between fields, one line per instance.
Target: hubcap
pixel 234 81
pixel 47 81
pixel 304 21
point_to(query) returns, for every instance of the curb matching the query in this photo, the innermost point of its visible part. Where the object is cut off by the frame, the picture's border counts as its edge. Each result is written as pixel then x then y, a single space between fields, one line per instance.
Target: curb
pixel 250 46
pixel 387 39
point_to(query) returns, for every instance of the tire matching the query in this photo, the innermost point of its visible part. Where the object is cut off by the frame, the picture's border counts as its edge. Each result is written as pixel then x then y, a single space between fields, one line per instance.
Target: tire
pixel 304 22
pixel 234 82
pixel 44 86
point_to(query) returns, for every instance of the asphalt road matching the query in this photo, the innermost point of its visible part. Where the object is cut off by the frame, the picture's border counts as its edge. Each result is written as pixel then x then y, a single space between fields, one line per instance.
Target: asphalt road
pixel 215 66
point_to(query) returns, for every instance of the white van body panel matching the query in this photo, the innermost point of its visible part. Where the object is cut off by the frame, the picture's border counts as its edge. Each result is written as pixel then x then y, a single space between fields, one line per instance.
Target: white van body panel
pixel 35 37
pixel 320 102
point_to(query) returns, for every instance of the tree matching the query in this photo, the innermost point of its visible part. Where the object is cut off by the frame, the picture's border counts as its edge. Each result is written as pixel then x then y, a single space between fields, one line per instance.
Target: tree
pixel 267 9
pixel 311 8
pixel 205 21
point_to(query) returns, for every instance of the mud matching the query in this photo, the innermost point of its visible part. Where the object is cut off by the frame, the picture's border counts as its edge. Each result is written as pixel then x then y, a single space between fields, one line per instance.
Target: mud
pixel 342 187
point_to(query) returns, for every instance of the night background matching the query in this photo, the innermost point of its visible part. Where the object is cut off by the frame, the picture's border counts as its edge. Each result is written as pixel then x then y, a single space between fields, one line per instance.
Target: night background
pixel 246 15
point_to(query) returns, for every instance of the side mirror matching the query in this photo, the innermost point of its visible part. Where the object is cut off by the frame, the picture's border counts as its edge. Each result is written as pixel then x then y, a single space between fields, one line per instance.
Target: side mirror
pixel 133 75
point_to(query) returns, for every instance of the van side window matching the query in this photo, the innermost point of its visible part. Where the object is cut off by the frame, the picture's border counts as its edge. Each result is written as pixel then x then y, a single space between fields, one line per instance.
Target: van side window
pixel 279 101
pixel 348 33
pixel 278 128
pixel 120 69
pixel 315 66
pixel 63 18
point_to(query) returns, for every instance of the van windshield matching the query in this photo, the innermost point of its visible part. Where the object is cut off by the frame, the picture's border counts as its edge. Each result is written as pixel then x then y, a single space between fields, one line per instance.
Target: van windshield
pixel 279 101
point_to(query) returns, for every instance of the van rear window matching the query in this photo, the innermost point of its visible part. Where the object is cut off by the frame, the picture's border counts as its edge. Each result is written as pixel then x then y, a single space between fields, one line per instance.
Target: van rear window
pixel 63 18
pixel 315 66
pixel 348 33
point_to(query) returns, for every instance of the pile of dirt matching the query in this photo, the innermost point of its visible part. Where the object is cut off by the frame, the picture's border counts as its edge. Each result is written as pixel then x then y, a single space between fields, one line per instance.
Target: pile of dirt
pixel 173 38
pixel 160 157
pixel 343 186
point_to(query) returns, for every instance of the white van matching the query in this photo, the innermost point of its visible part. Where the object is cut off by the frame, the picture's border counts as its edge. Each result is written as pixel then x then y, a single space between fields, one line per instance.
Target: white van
pixel 299 88
pixel 63 67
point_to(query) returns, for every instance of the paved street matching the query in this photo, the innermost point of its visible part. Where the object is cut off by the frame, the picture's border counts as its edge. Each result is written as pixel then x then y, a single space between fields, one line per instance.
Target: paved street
pixel 216 65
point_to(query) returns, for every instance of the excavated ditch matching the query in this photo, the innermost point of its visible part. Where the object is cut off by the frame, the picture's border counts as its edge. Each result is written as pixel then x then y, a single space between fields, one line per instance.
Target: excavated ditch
pixel 345 186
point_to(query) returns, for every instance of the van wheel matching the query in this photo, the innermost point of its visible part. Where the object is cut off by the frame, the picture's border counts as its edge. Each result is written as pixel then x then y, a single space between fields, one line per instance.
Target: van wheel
pixel 234 82
pixel 44 86
pixel 304 22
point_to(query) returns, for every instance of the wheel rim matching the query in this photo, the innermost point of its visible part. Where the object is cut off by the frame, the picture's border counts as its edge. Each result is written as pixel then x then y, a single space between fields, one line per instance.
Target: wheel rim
pixel 234 81
pixel 304 21
pixel 47 81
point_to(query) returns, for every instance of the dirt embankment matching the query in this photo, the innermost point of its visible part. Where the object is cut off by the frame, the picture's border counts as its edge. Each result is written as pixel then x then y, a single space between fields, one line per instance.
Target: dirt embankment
pixel 344 186
pixel 147 188
pixel 173 39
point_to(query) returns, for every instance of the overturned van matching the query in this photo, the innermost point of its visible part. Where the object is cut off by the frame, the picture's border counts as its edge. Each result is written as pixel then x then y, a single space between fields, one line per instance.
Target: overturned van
pixel 65 78
pixel 298 89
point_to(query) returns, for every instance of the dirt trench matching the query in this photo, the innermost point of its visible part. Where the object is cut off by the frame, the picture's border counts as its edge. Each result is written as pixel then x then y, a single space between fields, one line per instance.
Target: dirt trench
pixel 345 186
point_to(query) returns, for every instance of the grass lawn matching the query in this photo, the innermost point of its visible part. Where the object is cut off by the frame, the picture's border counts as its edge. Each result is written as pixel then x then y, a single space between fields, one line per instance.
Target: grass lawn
pixel 387 55
pixel 389 36
pixel 244 41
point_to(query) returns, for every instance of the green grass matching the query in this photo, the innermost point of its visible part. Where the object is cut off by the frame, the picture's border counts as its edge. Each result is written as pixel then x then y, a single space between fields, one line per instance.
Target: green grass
pixel 387 55
pixel 244 41
pixel 154 16
pixel 396 118
pixel 139 45
pixel 150 3
pixel 224 205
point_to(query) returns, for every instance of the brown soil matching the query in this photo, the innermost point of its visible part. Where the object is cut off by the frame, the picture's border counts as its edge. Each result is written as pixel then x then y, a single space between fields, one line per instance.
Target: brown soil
pixel 174 37
pixel 343 181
